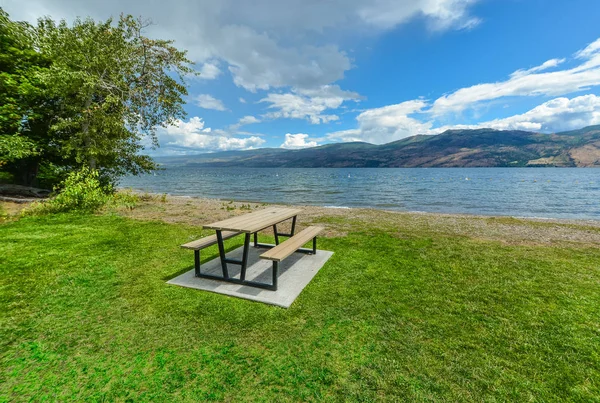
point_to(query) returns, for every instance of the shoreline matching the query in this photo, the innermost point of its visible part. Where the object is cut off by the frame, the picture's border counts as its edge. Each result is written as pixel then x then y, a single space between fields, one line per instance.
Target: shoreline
pixel 339 222
pixel 573 221
pixel 196 211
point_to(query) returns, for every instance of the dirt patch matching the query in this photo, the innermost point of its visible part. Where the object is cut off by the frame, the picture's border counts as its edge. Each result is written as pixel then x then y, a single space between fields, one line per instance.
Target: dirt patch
pixel 340 221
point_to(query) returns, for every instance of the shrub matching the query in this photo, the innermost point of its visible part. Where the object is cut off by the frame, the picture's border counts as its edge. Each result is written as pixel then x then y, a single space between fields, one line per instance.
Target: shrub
pixel 81 191
pixel 124 198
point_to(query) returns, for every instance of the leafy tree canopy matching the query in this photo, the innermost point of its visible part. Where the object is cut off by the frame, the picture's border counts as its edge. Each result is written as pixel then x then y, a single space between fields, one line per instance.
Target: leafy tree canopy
pixel 105 89
pixel 20 90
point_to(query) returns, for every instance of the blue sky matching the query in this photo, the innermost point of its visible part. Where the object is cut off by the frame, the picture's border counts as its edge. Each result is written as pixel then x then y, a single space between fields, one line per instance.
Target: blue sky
pixel 297 73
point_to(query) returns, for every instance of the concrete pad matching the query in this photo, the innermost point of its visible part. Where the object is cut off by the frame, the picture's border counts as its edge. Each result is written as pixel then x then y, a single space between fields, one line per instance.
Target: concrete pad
pixel 295 273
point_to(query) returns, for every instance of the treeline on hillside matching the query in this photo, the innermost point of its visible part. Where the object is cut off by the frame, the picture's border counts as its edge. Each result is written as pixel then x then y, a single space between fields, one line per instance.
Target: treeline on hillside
pixel 85 95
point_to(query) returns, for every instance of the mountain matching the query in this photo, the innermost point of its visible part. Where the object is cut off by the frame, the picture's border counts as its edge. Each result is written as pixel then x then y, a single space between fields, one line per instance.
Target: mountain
pixel 453 148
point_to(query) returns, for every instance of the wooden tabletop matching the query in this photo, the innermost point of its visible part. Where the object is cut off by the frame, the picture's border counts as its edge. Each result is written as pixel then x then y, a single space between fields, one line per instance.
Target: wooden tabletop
pixel 256 220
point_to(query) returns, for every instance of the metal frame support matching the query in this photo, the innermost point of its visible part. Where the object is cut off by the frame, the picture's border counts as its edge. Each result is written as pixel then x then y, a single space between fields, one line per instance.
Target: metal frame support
pixel 275 275
pixel 197 262
pixel 276 235
pixel 222 254
pixel 244 262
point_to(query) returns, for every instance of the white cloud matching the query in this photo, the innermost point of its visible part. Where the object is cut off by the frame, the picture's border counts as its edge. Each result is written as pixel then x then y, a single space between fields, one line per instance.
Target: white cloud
pixel 532 82
pixel 246 120
pixel 394 122
pixel 441 14
pixel 544 66
pixel 386 124
pixel 296 141
pixel 308 104
pixel 192 136
pixel 242 100
pixel 207 101
pixel 559 114
pixel 589 51
pixel 209 71
pixel 265 44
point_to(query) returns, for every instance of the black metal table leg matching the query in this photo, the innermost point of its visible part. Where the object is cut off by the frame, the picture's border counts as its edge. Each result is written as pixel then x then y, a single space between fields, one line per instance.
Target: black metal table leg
pixel 276 234
pixel 275 275
pixel 293 226
pixel 197 262
pixel 245 257
pixel 222 254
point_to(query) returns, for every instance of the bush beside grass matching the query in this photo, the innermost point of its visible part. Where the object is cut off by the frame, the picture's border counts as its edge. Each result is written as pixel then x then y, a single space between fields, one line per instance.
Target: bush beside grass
pixel 80 192
pixel 87 316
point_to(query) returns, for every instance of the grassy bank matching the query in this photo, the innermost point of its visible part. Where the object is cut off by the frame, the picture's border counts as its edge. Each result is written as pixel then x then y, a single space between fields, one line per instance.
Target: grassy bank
pixel 399 313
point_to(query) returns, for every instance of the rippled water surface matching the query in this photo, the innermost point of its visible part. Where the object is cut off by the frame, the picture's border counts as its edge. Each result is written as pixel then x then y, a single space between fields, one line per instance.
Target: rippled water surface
pixel 522 192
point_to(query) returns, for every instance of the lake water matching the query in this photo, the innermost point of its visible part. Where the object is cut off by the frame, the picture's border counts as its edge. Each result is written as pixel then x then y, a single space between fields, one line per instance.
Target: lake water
pixel 520 192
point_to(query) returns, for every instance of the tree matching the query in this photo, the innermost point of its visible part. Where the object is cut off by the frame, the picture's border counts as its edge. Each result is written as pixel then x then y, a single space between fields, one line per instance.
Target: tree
pixel 23 105
pixel 113 88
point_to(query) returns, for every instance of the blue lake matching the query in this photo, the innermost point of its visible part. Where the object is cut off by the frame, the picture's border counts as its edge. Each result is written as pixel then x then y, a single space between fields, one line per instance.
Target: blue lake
pixel 520 192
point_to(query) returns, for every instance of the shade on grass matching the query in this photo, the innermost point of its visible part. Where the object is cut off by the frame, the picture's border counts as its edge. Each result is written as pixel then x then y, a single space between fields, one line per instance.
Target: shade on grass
pixel 86 315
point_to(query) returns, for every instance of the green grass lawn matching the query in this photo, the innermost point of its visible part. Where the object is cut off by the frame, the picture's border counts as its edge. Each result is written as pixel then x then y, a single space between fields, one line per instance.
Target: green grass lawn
pixel 86 316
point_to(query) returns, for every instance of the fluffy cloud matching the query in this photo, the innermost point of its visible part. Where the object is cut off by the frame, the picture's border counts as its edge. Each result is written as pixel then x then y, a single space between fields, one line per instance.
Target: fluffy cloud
pixel 559 114
pixel 394 122
pixel 192 136
pixel 531 82
pixel 385 124
pixel 441 14
pixel 296 141
pixel 308 104
pixel 209 71
pixel 207 101
pixel 266 43
pixel 246 120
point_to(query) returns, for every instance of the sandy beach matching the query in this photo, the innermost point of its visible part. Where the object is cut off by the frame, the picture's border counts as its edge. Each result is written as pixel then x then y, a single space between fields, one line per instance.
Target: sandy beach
pixel 340 221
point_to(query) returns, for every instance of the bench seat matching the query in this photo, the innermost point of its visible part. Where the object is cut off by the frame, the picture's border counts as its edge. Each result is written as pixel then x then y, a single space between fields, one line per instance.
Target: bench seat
pixel 208 241
pixel 283 250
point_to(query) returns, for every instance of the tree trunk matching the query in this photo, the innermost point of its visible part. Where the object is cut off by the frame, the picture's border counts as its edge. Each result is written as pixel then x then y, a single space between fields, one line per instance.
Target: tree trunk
pixel 87 140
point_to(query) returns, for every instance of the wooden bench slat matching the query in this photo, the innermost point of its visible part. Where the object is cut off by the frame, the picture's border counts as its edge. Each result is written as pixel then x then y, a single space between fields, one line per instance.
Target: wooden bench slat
pixel 208 241
pixel 283 250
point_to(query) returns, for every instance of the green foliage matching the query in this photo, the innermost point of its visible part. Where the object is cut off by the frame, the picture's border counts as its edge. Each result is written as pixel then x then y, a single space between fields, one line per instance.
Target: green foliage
pixel 116 88
pixel 124 199
pixel 23 108
pixel 81 191
pixel 15 147
pixel 87 94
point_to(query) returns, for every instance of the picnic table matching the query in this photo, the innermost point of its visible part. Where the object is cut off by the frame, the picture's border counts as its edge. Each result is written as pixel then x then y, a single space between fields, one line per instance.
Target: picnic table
pixel 249 225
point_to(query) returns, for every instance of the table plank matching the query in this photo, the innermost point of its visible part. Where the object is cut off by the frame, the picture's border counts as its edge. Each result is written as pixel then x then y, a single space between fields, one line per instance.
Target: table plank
pixel 273 220
pixel 255 221
pixel 240 220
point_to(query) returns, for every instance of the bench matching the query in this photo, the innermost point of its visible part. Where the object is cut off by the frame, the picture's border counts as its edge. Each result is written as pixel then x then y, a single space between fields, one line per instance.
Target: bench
pixel 293 244
pixel 205 242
